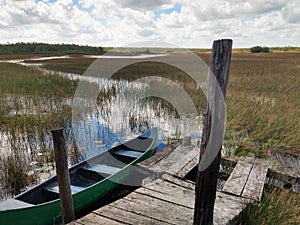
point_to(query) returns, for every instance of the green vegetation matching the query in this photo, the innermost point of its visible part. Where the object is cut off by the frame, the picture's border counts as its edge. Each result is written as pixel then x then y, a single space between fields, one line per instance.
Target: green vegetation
pixel 13 175
pixel 145 69
pixel 285 49
pixel 257 49
pixel 277 207
pixel 20 80
pixel 263 108
pixel 37 100
pixel 262 105
pixel 31 103
pixel 42 48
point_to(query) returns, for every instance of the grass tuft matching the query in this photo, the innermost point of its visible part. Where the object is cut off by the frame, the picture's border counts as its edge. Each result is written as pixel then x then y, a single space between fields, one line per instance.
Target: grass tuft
pixel 277 208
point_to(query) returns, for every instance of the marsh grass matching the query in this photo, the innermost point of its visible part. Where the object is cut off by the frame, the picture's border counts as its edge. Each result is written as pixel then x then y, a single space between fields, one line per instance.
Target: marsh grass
pixel 132 72
pixel 17 79
pixel 14 176
pixel 277 208
pixel 263 107
pixel 31 104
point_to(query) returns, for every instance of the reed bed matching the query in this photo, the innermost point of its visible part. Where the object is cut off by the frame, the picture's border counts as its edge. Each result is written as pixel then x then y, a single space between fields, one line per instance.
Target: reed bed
pixel 277 207
pixel 31 103
pixel 263 107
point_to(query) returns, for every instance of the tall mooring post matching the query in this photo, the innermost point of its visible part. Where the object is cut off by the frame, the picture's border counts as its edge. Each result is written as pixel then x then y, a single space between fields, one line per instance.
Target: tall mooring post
pixel 214 116
pixel 63 177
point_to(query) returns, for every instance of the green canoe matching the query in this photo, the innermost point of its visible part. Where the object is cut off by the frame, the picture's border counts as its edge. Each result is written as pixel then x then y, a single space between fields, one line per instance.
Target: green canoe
pixel 90 181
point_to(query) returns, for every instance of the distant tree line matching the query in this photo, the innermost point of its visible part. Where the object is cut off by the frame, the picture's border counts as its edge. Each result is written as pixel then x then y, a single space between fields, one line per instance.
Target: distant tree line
pixel 43 48
pixel 256 49
pixel 285 48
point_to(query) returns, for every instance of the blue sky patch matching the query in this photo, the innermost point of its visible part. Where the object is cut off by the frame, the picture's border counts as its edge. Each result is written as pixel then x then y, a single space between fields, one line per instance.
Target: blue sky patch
pixel 121 17
pixel 28 27
pixel 176 8
pixel 251 17
pixel 101 20
pixel 49 1
pixel 80 7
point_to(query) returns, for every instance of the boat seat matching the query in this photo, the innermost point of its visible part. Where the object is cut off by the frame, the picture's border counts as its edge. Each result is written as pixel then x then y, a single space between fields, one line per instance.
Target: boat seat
pixel 55 189
pixel 129 153
pixel 102 169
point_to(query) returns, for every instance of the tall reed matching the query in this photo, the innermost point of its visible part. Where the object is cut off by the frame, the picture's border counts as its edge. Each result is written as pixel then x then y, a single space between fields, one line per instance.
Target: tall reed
pixel 277 208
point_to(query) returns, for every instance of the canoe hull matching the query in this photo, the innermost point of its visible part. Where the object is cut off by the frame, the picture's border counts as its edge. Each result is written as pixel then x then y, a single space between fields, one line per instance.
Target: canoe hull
pixel 50 213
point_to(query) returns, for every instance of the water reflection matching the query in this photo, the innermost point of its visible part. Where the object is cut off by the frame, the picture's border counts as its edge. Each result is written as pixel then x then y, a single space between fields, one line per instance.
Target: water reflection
pixel 115 119
pixel 124 116
pixel 109 123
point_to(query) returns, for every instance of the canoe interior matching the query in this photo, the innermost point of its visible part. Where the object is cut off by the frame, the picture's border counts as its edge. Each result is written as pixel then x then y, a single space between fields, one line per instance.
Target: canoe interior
pixel 91 172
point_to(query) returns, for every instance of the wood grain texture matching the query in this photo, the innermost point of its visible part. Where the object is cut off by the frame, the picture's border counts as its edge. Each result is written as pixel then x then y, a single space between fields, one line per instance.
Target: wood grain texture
pixel 239 176
pixel 247 178
pixel 173 160
pixel 158 156
pixel 256 181
pixel 192 162
pixel 213 132
pixel 63 177
pixel 95 219
pixel 126 216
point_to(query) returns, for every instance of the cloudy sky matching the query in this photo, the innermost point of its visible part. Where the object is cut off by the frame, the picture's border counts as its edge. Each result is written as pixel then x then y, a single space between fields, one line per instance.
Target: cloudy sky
pixel 183 23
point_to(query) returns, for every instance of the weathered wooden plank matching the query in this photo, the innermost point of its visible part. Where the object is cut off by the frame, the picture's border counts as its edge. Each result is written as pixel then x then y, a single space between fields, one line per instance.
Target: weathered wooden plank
pixel 179 199
pixel 239 176
pixel 183 183
pixel 63 176
pixel 167 201
pixel 155 208
pixel 228 209
pixel 182 162
pixel 272 174
pixel 126 216
pixel 213 128
pixel 192 163
pixel 165 191
pixel 256 180
pixel 171 159
pixel 159 197
pixel 75 223
pixel 169 186
pixel 158 156
pixel 95 219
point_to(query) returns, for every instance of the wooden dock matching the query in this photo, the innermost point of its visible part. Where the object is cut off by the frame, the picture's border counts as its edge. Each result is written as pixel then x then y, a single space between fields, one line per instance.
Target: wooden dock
pixel 169 198
pixel 247 179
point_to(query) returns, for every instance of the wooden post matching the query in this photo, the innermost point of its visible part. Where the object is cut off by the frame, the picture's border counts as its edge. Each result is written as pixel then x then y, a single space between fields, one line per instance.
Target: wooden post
pixel 63 177
pixel 206 180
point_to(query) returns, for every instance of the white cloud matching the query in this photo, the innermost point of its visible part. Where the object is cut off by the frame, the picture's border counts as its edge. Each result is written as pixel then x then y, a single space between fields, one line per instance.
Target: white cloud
pixel 144 5
pixel 116 22
pixel 291 12
pixel 216 9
